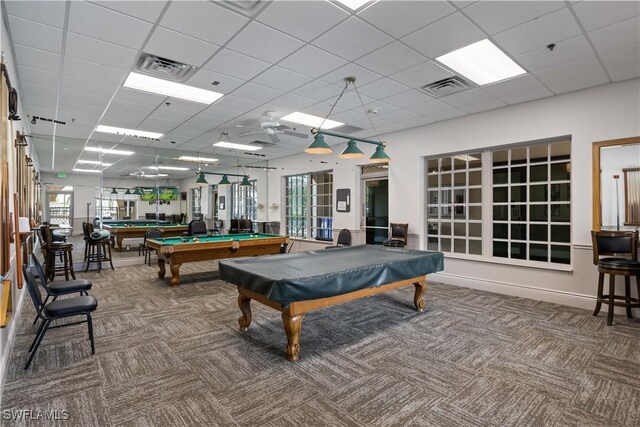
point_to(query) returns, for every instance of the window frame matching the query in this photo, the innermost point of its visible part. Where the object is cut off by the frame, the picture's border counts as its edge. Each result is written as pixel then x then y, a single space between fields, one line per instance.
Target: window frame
pixel 244 201
pixel 304 205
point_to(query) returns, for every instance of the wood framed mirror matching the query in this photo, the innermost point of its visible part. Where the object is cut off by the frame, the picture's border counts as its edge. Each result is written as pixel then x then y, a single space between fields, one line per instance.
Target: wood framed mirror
pixel 604 173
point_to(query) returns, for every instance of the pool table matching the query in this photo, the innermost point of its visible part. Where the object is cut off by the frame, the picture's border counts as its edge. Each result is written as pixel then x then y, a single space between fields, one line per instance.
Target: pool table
pixel 121 231
pixel 178 250
pixel 304 281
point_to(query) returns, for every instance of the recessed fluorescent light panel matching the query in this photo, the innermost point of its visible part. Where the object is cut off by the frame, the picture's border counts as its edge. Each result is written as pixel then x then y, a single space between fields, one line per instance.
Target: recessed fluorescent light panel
pixel 129 132
pixel 168 168
pixel 353 4
pixel 160 175
pixel 175 90
pixel 482 62
pixel 87 170
pixel 94 162
pixel 235 146
pixel 108 151
pixel 309 120
pixel 196 159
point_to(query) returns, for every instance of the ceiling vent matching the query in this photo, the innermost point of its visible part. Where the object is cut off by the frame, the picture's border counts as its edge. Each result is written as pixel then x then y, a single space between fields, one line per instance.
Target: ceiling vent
pixel 445 87
pixel 164 68
pixel 246 7
pixel 262 144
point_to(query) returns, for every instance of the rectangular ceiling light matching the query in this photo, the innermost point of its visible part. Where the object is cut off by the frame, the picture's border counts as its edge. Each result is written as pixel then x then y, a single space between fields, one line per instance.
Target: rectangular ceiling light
pixel 129 132
pixel 309 120
pixel 109 151
pixel 235 146
pixel 175 90
pixel 196 159
pixel 160 175
pixel 94 162
pixel 482 62
pixel 354 4
pixel 87 170
pixel 168 168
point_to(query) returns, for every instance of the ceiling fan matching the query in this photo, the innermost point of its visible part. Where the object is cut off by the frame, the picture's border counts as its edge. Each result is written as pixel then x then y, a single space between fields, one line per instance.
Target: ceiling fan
pixel 272 128
pixel 138 173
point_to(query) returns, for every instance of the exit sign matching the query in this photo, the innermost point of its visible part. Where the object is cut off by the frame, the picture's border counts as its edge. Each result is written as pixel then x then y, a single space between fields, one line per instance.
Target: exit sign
pixel 62 175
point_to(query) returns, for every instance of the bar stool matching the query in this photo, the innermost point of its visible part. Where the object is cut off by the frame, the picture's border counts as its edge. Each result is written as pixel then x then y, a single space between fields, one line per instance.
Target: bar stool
pixel 51 249
pixel 621 251
pixel 98 250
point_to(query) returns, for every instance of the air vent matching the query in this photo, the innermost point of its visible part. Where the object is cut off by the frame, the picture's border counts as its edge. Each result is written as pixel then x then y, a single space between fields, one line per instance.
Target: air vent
pixel 164 68
pixel 445 87
pixel 246 7
pixel 262 144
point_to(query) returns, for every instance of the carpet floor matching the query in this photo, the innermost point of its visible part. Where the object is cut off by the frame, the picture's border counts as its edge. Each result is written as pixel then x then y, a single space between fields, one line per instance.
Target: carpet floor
pixel 175 357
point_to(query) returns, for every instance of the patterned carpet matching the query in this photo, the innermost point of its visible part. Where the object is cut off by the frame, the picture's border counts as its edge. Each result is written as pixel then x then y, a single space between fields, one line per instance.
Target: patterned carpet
pixel 175 357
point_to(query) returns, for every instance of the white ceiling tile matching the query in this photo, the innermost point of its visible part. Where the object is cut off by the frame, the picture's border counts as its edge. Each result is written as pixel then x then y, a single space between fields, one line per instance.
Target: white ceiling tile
pixel 264 43
pixel 101 52
pixel 81 110
pixel 44 12
pixel 92 71
pixel 155 124
pixel 471 96
pixel 257 92
pixel 429 107
pixel 216 112
pixel 624 33
pixel 39 77
pixel 412 123
pixel 421 74
pixel 489 104
pixel 185 106
pixel 391 58
pixel 37 58
pixel 293 102
pixel 87 86
pixel 145 10
pixel 362 75
pixel 169 113
pixel 203 20
pixel 84 99
pixel 139 97
pixel 620 57
pixel 137 110
pixel 444 36
pixel 526 96
pixel 33 103
pixel 234 103
pixel 348 117
pixel 497 16
pixel 351 100
pixel 397 115
pixel 321 109
pixel 625 72
pixel 598 14
pixel 33 34
pixel 564 51
pixel 304 20
pixel 451 113
pixel 281 78
pixel 399 18
pixel 105 24
pixel 121 119
pixel 352 39
pixel 204 79
pixel 579 74
pixel 375 108
pixel 40 91
pixel 462 4
pixel 318 91
pixel 382 88
pixel 551 28
pixel 179 47
pixel 406 99
pixel 312 61
pixel 516 84
pixel 236 64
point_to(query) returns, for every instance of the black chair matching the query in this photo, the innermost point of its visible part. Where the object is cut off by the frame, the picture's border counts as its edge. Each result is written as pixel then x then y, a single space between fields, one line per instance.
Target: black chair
pixel 246 226
pixel 126 217
pixel 68 307
pixel 234 226
pixel 620 249
pixel 344 239
pixel 197 227
pixel 398 235
pixel 153 233
pixel 217 226
pixel 97 250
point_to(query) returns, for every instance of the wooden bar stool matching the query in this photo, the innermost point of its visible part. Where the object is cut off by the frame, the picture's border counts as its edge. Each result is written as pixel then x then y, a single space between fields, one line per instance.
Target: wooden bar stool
pixel 620 249
pixel 53 249
pixel 99 251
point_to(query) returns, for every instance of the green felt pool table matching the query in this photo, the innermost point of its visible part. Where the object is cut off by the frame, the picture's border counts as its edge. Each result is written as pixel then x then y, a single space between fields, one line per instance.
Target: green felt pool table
pixel 178 250
pixel 123 231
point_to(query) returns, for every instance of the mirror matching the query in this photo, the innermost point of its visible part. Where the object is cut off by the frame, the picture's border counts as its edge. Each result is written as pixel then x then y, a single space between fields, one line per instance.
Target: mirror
pixel 615 201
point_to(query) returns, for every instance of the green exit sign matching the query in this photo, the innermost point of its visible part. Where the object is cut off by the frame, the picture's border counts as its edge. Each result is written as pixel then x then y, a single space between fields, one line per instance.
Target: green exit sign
pixel 62 175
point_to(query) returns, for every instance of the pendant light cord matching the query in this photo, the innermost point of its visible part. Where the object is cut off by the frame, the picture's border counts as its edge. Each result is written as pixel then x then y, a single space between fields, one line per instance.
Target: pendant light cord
pixel 367 113
pixel 347 81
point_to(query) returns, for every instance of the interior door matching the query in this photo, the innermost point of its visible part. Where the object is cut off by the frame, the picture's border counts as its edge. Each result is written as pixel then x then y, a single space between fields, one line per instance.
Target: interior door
pixel 376 210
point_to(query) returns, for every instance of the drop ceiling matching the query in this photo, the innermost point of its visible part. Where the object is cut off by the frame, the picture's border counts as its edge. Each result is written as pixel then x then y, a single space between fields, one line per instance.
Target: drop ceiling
pixel 284 56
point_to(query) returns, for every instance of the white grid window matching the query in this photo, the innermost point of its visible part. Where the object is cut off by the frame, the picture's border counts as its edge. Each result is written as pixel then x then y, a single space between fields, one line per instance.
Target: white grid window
pixel 196 209
pixel 309 205
pixel 243 201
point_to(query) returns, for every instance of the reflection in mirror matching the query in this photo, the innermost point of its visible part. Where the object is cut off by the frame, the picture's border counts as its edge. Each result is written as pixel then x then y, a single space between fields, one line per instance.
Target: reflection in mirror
pixel 631 195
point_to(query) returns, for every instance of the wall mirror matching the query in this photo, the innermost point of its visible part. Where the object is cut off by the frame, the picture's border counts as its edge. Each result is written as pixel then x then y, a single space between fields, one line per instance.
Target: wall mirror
pixel 616 183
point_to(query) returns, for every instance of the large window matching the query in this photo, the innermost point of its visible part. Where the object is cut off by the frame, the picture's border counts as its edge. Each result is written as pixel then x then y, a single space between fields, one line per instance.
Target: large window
pixel 528 189
pixel 196 200
pixel 243 201
pixel 309 205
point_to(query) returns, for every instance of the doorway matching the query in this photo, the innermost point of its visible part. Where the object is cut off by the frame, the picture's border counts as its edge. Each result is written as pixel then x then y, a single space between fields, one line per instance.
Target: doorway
pixel 59 205
pixel 375 212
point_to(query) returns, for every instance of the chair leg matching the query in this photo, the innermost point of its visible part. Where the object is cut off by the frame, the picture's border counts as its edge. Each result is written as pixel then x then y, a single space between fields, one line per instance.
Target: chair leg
pixel 73 273
pixel 65 255
pixel 612 291
pixel 627 295
pixel 90 327
pixel 110 257
pixel 37 342
pixel 99 257
pixel 599 296
pixel 33 343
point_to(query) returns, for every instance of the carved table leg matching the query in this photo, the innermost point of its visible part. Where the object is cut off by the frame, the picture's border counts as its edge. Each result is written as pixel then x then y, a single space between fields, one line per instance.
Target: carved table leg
pixel 175 274
pixel 162 270
pixel 417 297
pixel 292 326
pixel 244 303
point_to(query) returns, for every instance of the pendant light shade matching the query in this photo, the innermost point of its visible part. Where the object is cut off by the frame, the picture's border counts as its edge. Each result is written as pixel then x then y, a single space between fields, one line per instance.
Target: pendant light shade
pixel 351 151
pixel 245 182
pixel 379 156
pixel 114 191
pixel 201 180
pixel 127 193
pixel 318 146
pixel 224 181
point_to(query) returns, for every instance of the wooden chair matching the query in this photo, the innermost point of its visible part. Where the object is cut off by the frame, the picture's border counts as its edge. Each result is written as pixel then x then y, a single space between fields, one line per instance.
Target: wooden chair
pixel 398 235
pixel 52 248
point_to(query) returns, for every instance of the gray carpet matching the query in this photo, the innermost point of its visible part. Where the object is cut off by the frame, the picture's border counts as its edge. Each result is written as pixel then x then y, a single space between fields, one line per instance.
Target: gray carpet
pixel 175 357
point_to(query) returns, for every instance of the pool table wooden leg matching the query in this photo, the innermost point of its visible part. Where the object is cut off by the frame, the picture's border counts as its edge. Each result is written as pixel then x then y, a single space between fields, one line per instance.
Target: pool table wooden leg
pixel 244 302
pixel 162 270
pixel 292 326
pixel 175 274
pixel 417 298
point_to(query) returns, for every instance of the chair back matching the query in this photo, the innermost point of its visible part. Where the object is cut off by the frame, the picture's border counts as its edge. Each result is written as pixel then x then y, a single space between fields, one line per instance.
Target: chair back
pixel 32 286
pixel 197 226
pixel 614 243
pixel 234 226
pixel 45 235
pixel 399 231
pixel 246 225
pixel 344 238
pixel 40 270
pixel 152 233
